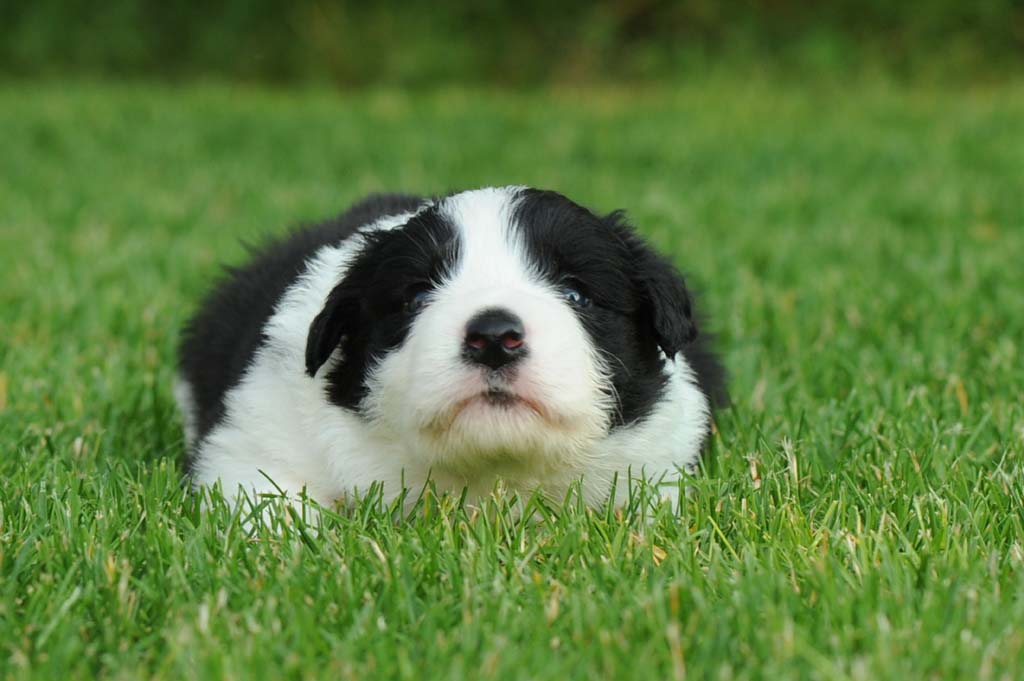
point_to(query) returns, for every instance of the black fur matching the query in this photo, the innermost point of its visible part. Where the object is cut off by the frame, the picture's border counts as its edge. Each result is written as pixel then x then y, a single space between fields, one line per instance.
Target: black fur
pixel 368 313
pixel 220 340
pixel 639 301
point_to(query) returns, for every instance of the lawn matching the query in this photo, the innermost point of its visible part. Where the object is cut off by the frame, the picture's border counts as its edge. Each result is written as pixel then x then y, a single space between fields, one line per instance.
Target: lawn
pixel 861 513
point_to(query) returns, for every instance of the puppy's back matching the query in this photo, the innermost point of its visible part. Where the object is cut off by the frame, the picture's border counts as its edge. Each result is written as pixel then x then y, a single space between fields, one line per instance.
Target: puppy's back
pixel 220 340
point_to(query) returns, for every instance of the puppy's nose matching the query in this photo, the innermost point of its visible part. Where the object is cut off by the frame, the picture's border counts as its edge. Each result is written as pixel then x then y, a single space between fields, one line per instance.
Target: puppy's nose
pixel 494 338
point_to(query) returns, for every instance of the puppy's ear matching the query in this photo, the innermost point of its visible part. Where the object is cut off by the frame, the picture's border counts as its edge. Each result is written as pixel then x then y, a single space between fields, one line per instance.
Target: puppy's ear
pixel 670 308
pixel 337 320
pixel 667 305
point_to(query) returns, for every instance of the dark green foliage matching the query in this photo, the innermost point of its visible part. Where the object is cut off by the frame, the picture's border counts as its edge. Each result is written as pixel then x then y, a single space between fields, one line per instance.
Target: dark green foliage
pixel 422 43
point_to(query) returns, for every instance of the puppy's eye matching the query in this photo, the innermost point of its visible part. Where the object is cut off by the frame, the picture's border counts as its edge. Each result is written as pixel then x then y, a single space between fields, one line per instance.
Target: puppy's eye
pixel 415 297
pixel 573 294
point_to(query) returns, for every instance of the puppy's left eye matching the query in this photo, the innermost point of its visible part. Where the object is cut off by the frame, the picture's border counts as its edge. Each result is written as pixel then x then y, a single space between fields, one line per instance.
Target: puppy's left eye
pixel 572 293
pixel 415 297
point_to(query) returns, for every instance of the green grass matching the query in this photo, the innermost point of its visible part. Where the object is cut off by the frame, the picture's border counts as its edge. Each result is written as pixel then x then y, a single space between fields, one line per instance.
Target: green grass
pixel 860 250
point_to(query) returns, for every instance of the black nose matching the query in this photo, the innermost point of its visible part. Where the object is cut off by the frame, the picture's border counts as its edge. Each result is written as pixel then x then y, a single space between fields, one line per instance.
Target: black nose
pixel 494 338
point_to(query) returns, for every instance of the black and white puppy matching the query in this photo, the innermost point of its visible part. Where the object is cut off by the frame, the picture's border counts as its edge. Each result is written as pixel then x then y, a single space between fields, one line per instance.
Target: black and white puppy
pixel 497 334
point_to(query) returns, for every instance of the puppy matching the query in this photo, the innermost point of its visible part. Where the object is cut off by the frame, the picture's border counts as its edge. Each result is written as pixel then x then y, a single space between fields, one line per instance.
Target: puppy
pixel 496 334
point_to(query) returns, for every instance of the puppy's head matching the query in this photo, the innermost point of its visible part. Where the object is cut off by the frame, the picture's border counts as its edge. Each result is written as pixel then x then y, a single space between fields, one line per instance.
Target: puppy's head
pixel 501 327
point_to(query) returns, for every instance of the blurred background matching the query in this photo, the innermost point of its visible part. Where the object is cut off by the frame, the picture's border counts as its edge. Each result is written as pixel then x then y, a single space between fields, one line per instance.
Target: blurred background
pixel 420 43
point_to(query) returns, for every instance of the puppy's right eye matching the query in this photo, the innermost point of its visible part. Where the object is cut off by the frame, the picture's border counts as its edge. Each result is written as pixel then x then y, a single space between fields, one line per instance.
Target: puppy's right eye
pixel 415 297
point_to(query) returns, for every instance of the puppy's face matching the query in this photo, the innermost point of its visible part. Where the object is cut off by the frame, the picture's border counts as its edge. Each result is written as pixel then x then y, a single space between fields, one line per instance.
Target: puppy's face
pixel 501 328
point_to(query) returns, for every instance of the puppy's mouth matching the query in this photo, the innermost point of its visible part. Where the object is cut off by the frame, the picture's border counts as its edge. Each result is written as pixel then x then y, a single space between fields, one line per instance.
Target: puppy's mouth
pixel 500 398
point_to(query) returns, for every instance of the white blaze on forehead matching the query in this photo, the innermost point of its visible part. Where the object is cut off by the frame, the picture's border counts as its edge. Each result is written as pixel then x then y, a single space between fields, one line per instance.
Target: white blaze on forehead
pixel 482 218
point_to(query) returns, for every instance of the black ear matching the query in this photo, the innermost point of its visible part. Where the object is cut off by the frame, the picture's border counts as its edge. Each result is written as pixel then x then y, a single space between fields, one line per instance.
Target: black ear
pixel 667 304
pixel 338 319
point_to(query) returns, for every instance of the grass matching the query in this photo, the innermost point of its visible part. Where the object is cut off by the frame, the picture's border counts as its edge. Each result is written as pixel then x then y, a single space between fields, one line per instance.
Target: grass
pixel 862 512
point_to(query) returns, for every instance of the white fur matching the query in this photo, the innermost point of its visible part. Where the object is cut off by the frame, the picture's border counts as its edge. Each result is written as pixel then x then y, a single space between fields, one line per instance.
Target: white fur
pixel 279 424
